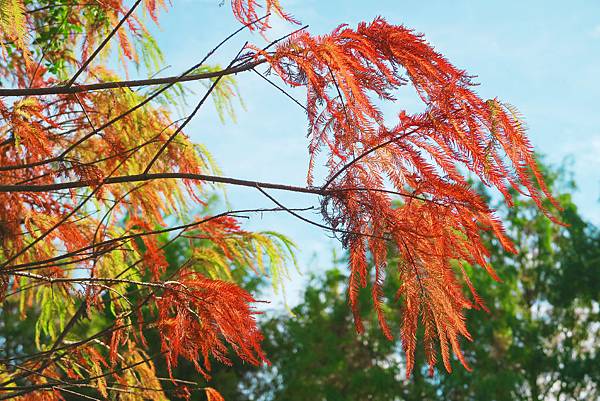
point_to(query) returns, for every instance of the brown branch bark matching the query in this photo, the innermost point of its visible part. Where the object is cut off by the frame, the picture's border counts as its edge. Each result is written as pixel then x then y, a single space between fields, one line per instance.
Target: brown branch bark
pixel 64 89
pixel 154 176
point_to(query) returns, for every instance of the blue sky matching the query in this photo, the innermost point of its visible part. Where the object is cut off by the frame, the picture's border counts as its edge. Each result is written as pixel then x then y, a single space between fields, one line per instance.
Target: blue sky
pixel 541 56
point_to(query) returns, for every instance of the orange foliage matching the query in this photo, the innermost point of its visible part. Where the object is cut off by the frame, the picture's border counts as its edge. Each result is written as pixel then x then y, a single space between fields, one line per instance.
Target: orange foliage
pixel 195 316
pixel 213 395
pixel 91 136
pixel 250 11
pixel 422 159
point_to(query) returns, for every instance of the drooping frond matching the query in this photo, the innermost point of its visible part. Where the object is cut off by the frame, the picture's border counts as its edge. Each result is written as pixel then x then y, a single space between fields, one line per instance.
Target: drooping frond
pixel 421 160
pixel 225 246
pixel 13 26
pixel 250 11
pixel 224 93
pixel 199 317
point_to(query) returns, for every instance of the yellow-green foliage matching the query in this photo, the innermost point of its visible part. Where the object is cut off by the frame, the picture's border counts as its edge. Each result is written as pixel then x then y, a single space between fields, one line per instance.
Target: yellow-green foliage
pixel 224 93
pixel 56 304
pixel 12 22
pixel 267 252
pixel 86 266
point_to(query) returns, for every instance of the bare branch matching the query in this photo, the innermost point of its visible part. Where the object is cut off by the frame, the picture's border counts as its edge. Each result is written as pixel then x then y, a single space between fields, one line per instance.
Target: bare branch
pixel 64 90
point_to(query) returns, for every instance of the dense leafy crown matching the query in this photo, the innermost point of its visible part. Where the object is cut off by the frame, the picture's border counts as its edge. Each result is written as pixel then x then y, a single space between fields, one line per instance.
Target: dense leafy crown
pixel 89 178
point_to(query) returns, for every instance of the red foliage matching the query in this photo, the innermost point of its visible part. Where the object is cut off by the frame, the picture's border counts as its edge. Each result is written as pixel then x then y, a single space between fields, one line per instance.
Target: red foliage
pixel 199 317
pixel 154 256
pixel 422 159
pixel 249 11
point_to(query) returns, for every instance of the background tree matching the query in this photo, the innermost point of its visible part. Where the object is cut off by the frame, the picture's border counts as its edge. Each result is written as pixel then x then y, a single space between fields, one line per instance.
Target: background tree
pixel 97 180
pixel 542 328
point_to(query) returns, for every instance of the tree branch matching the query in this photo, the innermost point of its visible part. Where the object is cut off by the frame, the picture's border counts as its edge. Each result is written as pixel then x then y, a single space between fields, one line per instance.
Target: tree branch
pixel 154 176
pixel 64 89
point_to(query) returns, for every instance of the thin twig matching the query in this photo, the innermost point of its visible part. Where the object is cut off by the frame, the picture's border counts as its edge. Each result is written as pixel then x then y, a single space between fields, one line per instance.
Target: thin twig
pixel 364 154
pixel 191 116
pixel 281 90
pixel 314 223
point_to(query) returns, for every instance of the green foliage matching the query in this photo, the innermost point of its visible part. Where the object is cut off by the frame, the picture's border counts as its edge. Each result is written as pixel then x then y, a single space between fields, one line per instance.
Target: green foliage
pixel 55 307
